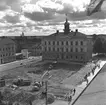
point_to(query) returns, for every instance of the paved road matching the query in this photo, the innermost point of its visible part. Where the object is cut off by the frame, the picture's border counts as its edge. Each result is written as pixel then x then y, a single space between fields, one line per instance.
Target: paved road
pixel 16 64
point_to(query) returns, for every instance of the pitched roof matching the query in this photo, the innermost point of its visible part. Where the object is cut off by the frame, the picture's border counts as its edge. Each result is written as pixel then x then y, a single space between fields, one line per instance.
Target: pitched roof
pixel 71 35
pixel 4 41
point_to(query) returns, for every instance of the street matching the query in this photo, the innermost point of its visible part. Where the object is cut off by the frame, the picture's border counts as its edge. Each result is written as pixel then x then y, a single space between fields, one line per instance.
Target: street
pixel 16 64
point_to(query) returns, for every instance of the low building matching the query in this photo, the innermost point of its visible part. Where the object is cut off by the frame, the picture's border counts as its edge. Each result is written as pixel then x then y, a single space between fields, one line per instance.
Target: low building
pixel 67 46
pixel 24 53
pixel 7 50
pixel 36 50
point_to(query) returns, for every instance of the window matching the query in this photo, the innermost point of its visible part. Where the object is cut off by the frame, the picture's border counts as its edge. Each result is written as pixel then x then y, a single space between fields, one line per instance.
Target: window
pixel 66 49
pixel 81 49
pixel 81 42
pixel 62 56
pixel 76 50
pixel 57 49
pixel 53 42
pixel 45 42
pixel 71 56
pixel 62 43
pixel 71 50
pixel 49 49
pixel 53 49
pixel 66 42
pixel 57 42
pixel 45 49
pixel 49 42
pixel 81 57
pixel 76 43
pixel 71 43
pixel 76 57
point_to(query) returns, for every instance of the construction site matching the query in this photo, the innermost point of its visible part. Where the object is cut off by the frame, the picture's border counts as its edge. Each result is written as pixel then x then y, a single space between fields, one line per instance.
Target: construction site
pixel 41 83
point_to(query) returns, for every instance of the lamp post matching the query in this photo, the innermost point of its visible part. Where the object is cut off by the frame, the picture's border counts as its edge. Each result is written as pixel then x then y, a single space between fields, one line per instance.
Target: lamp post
pixel 46 85
pixel 46 91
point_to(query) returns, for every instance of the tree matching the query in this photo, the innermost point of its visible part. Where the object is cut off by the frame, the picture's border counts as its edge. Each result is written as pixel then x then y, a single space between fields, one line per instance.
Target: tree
pixel 1 98
pixel 104 46
pixel 94 37
pixel 98 45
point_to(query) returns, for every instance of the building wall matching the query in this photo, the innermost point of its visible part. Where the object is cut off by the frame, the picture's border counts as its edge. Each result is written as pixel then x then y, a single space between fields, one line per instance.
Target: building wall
pixel 7 53
pixel 36 51
pixel 66 49
pixel 90 49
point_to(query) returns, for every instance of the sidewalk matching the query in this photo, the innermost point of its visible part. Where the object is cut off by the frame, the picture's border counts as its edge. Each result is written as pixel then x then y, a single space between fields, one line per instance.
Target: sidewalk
pixel 79 88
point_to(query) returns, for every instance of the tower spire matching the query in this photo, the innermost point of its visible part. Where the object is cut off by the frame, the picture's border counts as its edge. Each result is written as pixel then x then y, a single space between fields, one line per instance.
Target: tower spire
pixel 66 17
pixel 66 26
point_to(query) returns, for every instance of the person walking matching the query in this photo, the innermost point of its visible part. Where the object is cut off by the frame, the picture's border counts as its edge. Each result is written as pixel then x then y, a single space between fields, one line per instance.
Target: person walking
pixel 74 90
pixel 85 78
pixel 69 97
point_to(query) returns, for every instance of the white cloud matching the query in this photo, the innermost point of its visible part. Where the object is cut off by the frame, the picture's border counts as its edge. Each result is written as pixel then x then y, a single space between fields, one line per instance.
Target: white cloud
pixel 50 4
pixel 64 5
pixel 32 8
pixel 2 14
pixel 46 16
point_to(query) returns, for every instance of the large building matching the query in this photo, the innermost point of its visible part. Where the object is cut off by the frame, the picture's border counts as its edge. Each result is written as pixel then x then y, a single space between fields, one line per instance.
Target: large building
pixel 7 50
pixel 67 46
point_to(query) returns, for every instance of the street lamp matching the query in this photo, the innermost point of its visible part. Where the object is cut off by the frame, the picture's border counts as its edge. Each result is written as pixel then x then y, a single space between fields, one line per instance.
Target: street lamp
pixel 46 85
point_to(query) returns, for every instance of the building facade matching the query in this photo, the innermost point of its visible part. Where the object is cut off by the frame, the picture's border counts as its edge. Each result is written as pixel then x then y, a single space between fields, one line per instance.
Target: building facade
pixel 36 50
pixel 7 50
pixel 67 46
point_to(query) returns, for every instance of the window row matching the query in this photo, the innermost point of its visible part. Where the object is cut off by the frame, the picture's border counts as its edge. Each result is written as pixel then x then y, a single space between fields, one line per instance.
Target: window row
pixel 64 49
pixel 64 43
pixel 6 49
pixel 66 57
pixel 9 54
pixel 74 57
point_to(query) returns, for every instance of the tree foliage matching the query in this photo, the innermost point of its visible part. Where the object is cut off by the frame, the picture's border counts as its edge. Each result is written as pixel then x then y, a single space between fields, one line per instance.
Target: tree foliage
pixel 104 46
pixel 99 45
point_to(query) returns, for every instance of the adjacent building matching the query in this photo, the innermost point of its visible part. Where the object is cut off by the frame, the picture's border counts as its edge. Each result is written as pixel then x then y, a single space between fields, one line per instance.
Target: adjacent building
pixel 7 50
pixel 36 50
pixel 67 46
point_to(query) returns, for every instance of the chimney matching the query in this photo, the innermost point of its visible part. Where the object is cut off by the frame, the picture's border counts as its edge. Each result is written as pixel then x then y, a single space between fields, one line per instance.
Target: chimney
pixel 57 31
pixel 76 32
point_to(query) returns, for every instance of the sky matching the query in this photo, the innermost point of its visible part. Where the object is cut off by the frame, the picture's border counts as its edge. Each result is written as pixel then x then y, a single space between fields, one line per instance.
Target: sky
pixel 43 17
